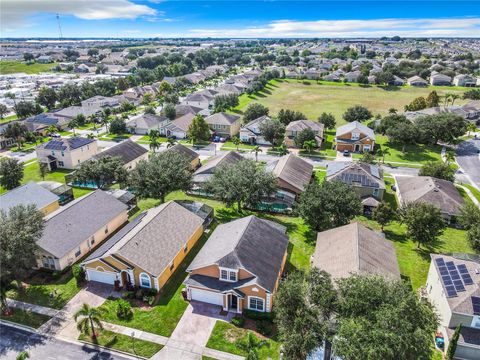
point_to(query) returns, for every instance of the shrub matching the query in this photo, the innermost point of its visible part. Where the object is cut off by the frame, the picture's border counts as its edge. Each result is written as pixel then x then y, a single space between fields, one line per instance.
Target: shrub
pixel 264 327
pixel 128 295
pixel 124 309
pixel 238 321
pixel 78 273
pixel 257 315
pixel 56 275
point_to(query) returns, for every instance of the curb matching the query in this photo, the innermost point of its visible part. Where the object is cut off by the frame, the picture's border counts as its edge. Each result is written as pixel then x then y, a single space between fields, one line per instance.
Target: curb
pixel 109 350
pixel 19 326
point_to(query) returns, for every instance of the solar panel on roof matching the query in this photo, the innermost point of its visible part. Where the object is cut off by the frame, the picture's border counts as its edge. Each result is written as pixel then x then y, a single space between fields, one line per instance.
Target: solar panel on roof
pixel 451 292
pixel 450 265
pixel 476 305
pixel 458 285
pixel 443 270
pixel 462 268
pixel 440 261
pixel 467 279
pixel 447 281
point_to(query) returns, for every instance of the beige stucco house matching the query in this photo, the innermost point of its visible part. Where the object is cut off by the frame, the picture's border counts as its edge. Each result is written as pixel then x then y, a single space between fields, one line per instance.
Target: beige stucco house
pixel 78 227
pixel 66 153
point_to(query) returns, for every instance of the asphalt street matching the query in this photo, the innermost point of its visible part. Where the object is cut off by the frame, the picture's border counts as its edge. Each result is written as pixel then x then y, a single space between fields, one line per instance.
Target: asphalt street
pixel 13 341
pixel 468 158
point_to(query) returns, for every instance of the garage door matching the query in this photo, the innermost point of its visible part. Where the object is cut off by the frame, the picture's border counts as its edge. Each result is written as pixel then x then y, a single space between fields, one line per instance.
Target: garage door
pixel 207 296
pixel 101 276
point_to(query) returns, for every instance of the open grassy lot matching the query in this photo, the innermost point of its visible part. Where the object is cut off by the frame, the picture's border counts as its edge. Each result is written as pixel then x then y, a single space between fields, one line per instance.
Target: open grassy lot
pixel 312 99
pixel 224 337
pixel 12 67
pixel 27 318
pixel 42 289
pixel 124 343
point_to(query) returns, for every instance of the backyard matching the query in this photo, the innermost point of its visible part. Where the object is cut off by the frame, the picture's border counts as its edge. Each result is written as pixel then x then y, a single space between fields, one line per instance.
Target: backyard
pixel 312 98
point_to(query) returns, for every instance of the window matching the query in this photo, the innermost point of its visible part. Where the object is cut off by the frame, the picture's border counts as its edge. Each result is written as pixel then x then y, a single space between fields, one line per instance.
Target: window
pixel 355 136
pixel 375 192
pixel 45 262
pixel 78 252
pixel 53 152
pixel 63 153
pixel 185 249
pixel 60 163
pixel 233 276
pixel 172 266
pixel 106 229
pixel 224 274
pixel 255 303
pixel 92 240
pixel 145 281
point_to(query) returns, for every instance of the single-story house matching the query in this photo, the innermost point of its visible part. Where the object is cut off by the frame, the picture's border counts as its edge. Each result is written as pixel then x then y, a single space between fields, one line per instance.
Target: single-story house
pixel 438 79
pixel 354 137
pixel 177 128
pixel 417 81
pixel 295 127
pixel 426 189
pixel 143 124
pixel 355 249
pixel 66 153
pixel 128 151
pixel 148 250
pixel 206 171
pixel 453 288
pixel 240 265
pixel 188 153
pixel 223 124
pixel 465 80
pixel 75 229
pixel 250 133
pixel 63 191
pixel 30 194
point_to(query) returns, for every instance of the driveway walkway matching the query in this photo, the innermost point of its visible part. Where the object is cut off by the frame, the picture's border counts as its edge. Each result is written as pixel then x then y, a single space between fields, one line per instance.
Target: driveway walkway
pixel 197 323
pixel 93 294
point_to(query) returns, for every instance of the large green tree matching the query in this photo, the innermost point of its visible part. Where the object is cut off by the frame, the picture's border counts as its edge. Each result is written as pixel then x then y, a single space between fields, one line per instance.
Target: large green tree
pixel 17 131
pixel 286 116
pixel 244 183
pixel 357 113
pixel 303 136
pixel 382 319
pixel 328 120
pixel 470 219
pixel 102 171
pixel 329 204
pixel 11 173
pixel 424 222
pixel 20 228
pixel 47 96
pixel 439 170
pixel 273 131
pixel 198 130
pixel 254 111
pixel 161 174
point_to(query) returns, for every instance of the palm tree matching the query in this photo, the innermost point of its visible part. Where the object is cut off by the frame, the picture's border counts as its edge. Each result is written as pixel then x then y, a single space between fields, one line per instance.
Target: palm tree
pixel 309 145
pixel 446 98
pixel 171 142
pixel 385 151
pixel 52 129
pixel 42 170
pixel 471 127
pixel 283 149
pixel 90 318
pixel 153 136
pixel 236 141
pixel 72 125
pixel 454 97
pixel 23 355
pixel 256 150
pixel 251 345
pixel 449 156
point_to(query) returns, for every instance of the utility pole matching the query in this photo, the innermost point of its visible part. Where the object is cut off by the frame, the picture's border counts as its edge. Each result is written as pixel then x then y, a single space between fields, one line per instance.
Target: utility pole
pixel 60 36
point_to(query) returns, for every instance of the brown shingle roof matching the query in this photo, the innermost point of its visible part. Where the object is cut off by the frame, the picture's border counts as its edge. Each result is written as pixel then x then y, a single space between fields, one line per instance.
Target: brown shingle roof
pixel 294 171
pixel 353 248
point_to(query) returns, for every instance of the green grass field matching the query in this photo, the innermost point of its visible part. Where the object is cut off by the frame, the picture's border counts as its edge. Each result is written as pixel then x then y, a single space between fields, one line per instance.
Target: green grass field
pixel 26 318
pixel 314 99
pixel 12 67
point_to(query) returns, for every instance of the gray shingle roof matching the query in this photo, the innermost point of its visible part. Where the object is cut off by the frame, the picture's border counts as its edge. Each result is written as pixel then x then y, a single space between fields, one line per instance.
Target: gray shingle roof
pixel 66 228
pixel 28 194
pixel 185 151
pixel 349 172
pixel 127 150
pixel 353 248
pixel 207 170
pixel 163 232
pixel 441 193
pixel 146 121
pixel 251 243
pixel 300 125
pixel 222 118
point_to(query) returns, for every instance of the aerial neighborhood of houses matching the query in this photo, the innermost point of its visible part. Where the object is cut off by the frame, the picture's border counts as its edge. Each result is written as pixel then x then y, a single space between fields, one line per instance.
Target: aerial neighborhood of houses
pixel 222 198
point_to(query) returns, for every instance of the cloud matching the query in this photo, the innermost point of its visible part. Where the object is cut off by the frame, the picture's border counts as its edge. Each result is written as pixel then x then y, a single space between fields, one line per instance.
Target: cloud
pixel 449 27
pixel 14 13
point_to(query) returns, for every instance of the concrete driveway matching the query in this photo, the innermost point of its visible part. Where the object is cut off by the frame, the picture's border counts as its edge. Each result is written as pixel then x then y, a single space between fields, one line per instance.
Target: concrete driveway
pixel 469 159
pixel 197 323
pixel 93 294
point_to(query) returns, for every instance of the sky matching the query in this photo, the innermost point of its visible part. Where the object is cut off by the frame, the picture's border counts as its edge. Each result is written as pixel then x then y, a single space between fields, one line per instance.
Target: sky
pixel 239 19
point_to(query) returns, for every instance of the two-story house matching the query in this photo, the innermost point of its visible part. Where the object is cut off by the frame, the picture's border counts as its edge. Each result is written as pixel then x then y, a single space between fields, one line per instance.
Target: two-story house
pixel 453 288
pixel 240 265
pixel 223 124
pixel 66 153
pixel 295 127
pixel 354 137
pixel 250 133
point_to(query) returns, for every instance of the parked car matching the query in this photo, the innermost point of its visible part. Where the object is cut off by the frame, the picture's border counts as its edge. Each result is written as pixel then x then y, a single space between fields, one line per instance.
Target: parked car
pixel 346 153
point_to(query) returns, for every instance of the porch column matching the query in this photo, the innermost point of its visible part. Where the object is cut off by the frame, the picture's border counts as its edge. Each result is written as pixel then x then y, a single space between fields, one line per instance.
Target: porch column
pixel 238 305
pixel 155 283
pixel 132 277
pixel 225 302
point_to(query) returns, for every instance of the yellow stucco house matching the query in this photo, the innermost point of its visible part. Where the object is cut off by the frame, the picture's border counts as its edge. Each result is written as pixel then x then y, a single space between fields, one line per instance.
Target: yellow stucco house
pixel 30 194
pixel 147 251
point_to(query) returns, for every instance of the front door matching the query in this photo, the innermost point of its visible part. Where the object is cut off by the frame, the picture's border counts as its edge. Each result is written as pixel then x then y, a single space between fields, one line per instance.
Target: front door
pixel 233 302
pixel 357 148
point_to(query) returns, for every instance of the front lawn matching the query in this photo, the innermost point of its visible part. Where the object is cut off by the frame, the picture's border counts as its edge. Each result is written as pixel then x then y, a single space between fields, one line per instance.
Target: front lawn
pixel 43 290
pixel 225 335
pixel 229 145
pixel 26 318
pixel 124 343
pixel 418 154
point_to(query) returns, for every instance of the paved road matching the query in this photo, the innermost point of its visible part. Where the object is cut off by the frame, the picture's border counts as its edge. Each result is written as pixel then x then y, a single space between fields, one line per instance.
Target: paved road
pixel 469 159
pixel 13 341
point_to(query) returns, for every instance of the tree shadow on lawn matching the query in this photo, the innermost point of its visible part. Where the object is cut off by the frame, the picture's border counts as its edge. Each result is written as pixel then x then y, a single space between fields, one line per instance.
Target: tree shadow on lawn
pixel 389 87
